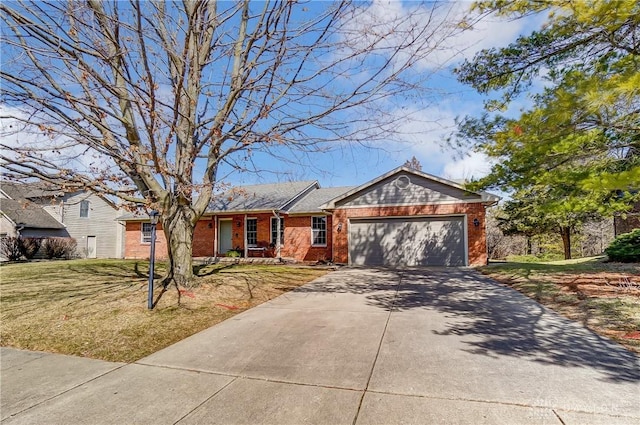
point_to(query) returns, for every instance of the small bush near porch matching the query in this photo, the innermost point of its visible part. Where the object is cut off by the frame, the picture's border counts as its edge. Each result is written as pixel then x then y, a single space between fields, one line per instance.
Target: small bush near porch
pixel 98 308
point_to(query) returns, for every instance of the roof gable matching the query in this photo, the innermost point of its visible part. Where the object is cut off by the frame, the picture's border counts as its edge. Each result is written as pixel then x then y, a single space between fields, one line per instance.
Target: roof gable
pixel 404 186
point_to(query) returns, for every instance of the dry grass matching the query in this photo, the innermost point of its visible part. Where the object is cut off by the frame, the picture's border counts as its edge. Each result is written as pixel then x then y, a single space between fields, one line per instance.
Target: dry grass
pixel 98 308
pixel 605 297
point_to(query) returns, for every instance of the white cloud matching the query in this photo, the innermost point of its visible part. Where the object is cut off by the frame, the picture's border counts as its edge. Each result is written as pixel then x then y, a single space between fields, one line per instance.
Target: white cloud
pixel 474 165
pixel 487 32
pixel 424 134
pixel 451 34
pixel 23 132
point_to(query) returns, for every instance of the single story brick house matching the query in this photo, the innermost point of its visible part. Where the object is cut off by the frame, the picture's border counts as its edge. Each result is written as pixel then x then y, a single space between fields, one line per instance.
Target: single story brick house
pixel 402 218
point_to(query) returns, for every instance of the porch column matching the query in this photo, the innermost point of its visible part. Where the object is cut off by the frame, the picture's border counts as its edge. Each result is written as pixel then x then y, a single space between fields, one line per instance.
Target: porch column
pixel 244 233
pixel 276 214
pixel 215 236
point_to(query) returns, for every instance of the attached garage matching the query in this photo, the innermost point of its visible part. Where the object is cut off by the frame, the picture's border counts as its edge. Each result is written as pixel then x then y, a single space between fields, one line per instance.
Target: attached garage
pixel 407 241
pixel 408 218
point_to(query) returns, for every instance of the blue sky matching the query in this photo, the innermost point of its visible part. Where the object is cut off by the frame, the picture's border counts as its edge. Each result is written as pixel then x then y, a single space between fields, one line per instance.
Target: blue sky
pixel 426 123
pixel 424 139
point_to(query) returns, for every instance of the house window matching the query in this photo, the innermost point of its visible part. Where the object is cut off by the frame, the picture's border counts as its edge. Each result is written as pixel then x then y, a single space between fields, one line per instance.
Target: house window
pixel 274 230
pixel 84 209
pixel 319 231
pixel 146 233
pixel 252 232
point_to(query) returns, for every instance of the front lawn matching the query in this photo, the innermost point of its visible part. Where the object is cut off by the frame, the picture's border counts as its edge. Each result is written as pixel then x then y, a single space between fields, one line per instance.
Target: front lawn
pixel 605 297
pixel 98 308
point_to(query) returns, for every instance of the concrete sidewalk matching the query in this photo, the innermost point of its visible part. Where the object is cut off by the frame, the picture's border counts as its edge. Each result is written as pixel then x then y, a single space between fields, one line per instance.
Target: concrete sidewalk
pixel 354 347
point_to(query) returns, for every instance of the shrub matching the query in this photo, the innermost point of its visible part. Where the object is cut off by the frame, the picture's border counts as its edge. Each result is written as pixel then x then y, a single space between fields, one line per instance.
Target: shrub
pixel 234 253
pixel 625 248
pixel 30 247
pixel 15 247
pixel 11 248
pixel 60 247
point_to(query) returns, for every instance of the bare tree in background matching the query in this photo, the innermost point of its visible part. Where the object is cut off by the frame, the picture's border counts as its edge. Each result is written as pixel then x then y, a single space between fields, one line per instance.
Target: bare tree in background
pixel 413 163
pixel 499 245
pixel 595 236
pixel 145 100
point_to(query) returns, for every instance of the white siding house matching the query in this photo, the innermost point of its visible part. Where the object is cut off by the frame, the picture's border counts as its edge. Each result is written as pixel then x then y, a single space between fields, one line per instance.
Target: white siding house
pixel 87 218
pixel 91 221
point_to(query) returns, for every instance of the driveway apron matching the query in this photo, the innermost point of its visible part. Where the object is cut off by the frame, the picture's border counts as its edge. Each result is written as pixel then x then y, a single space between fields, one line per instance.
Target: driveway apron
pixel 368 346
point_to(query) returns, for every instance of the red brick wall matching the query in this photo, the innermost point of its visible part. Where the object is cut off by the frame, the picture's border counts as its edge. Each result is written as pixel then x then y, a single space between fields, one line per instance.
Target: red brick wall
pixel 134 248
pixel 476 235
pixel 298 233
pixel 297 240
pixel 630 222
pixel 237 235
pixel 297 236
pixel 203 238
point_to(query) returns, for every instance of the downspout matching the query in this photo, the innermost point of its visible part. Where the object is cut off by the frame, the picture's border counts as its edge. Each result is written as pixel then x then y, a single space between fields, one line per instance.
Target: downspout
pixel 276 214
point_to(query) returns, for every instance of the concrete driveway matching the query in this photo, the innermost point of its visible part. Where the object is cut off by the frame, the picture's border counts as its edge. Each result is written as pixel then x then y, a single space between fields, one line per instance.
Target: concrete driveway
pixel 354 347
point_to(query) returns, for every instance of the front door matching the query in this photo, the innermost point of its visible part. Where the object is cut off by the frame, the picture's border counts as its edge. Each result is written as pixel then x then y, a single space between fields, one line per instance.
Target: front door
pixel 225 230
pixel 91 247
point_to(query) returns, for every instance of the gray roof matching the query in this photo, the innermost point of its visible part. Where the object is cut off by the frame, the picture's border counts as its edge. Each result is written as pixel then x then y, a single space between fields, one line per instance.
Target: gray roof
pixel 315 199
pixel 28 214
pixel 133 216
pixel 261 197
pixel 17 190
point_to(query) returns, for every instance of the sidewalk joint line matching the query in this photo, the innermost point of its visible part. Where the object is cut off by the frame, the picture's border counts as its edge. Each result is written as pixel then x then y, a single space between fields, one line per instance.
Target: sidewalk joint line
pixel 64 392
pixel 206 400
pixel 375 360
pixel 254 378
pixel 303 384
pixel 505 403
pixel 558 416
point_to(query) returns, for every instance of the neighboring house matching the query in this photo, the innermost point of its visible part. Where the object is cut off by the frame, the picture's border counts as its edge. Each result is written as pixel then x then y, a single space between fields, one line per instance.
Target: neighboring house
pixel 22 217
pixel 625 223
pixel 402 218
pixel 628 222
pixel 33 210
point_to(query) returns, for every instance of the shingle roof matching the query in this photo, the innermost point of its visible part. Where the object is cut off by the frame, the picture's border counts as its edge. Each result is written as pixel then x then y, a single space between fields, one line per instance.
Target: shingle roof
pixel 315 199
pixel 261 197
pixel 16 190
pixel 28 214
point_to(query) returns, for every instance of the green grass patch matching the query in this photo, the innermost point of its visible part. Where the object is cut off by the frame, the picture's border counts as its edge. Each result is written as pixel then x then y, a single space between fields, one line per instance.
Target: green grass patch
pixel 98 308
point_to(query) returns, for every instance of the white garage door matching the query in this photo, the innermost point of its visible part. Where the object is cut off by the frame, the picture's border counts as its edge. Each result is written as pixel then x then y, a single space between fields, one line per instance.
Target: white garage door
pixel 407 242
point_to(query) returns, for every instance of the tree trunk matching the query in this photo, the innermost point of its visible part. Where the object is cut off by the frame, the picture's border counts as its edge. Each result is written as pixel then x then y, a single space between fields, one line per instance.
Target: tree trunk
pixel 565 232
pixel 178 230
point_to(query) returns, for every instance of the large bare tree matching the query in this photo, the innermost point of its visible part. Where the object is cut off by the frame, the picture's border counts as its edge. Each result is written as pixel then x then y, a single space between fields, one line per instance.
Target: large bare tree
pixel 145 100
